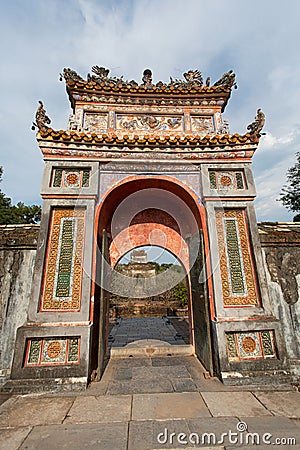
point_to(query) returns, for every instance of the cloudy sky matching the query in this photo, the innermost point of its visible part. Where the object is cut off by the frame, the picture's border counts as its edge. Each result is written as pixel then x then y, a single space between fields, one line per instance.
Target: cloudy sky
pixel 258 39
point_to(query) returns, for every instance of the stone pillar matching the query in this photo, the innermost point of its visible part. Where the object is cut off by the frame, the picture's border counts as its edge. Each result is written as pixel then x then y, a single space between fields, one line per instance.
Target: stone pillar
pixel 248 337
pixel 55 342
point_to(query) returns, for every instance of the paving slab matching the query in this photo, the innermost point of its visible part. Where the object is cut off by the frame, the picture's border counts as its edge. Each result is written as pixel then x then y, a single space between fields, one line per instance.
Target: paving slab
pixel 100 409
pixel 108 436
pixel 155 434
pixel 178 371
pixel 26 411
pixel 12 438
pixel 173 361
pixel 184 385
pixel 236 404
pixel 129 362
pixel 4 397
pixel 210 430
pixel 168 406
pixel 140 386
pixel 277 427
pixel 281 403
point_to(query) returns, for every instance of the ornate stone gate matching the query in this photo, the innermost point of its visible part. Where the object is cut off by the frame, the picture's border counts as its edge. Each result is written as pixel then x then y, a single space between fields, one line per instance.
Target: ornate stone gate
pixel 161 156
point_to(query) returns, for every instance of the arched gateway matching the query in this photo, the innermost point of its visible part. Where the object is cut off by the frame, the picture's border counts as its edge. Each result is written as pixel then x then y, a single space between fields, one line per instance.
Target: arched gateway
pixel 138 165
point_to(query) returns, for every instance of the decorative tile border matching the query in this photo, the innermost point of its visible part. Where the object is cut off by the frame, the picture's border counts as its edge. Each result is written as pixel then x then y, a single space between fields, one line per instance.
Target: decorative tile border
pixel 70 178
pixel 237 274
pixel 63 268
pixel 52 351
pixel 251 345
pixel 225 181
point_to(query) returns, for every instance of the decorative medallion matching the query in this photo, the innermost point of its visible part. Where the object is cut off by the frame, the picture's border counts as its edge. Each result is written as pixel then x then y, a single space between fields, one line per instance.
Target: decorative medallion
pixel 54 349
pixel 248 344
pixel 72 179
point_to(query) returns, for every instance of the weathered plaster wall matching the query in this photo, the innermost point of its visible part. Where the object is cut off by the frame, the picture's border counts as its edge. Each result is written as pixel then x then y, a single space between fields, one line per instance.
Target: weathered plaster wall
pixel 281 249
pixel 17 255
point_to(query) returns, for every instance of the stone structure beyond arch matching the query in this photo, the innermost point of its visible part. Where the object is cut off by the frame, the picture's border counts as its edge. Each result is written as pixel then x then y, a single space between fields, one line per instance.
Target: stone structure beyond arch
pixel 169 142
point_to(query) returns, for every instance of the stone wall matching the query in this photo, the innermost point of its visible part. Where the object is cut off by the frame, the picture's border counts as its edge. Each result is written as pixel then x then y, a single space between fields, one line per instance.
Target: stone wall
pixel 17 255
pixel 281 249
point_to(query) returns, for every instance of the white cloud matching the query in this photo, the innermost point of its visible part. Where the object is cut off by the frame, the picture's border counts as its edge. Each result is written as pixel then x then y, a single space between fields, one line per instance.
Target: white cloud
pixel 259 40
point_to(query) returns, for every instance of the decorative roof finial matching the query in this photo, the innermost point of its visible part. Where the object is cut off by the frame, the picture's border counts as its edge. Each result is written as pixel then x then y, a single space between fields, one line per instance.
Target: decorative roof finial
pixel 256 126
pixel 41 119
pixel 147 78
pixel 227 80
pixel 193 77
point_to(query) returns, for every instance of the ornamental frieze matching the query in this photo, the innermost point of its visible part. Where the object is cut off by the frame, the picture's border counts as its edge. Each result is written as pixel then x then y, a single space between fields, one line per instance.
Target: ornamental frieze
pixel 148 122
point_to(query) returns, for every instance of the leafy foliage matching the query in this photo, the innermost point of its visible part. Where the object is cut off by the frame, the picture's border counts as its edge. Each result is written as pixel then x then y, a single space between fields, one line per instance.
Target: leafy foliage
pixel 290 195
pixel 19 213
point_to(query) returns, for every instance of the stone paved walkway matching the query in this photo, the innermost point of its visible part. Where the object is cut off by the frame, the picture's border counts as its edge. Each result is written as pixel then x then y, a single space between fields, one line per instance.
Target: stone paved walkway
pixel 151 403
pixel 133 329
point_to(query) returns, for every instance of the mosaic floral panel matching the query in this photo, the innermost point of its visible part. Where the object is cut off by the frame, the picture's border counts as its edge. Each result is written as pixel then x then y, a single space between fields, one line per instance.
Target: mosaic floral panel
pixel 202 125
pixel 52 351
pixel 63 272
pixel 236 266
pixel 95 122
pixel 226 180
pixel 250 345
pixel 148 122
pixel 71 178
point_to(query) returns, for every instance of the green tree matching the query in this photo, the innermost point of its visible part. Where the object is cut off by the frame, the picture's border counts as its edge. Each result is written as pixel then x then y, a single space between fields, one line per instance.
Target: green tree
pixel 290 195
pixel 19 213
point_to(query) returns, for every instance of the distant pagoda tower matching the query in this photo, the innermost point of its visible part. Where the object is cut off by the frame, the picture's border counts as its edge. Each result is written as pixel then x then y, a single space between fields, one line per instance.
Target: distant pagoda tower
pixel 163 155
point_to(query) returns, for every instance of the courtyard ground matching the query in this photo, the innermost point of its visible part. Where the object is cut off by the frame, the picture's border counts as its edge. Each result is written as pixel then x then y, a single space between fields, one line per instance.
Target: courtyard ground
pixel 153 403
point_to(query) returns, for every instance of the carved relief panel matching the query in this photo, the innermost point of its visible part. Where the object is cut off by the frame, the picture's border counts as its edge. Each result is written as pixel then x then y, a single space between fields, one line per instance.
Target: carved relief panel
pixel 202 125
pixel 95 122
pixel 149 123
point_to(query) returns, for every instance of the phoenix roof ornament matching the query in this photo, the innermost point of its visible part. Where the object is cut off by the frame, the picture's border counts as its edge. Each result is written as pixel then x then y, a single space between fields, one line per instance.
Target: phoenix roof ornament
pixel 257 125
pixel 41 119
pixel 227 80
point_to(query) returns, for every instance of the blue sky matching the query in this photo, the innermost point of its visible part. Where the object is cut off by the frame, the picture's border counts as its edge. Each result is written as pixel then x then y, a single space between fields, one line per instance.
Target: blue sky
pixel 259 40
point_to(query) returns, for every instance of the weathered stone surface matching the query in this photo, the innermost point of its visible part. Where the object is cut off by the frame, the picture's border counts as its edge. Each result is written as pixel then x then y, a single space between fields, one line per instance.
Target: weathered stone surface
pixel 25 411
pixel 143 434
pixel 160 406
pixel 278 427
pixel 12 438
pixel 238 404
pixel 100 409
pixel 281 403
pixel 140 386
pixel 207 425
pixel 108 436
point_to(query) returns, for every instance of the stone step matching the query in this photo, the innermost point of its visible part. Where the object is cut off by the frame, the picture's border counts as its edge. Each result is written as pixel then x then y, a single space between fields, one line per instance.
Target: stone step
pixel 151 347
pixel 44 385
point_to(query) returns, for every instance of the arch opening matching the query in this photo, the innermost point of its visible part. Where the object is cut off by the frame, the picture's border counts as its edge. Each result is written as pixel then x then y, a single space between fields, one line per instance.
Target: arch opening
pixel 157 303
pixel 158 213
